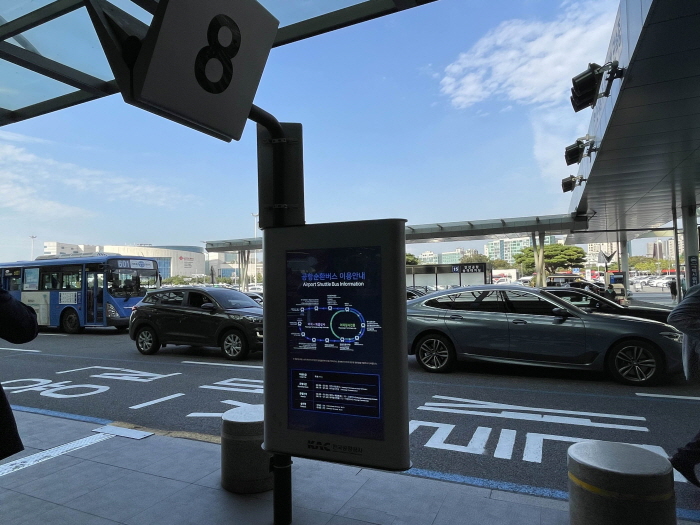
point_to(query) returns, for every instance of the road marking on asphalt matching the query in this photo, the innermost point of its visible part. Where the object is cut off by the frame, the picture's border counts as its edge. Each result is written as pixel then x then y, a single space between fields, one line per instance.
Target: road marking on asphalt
pixel 160 400
pixel 669 396
pixel 534 443
pixel 219 414
pixel 521 413
pixel 28 461
pixel 220 364
pixel 504 449
pixel 237 384
pixel 477 444
pixel 123 374
pixel 55 335
pixel 21 350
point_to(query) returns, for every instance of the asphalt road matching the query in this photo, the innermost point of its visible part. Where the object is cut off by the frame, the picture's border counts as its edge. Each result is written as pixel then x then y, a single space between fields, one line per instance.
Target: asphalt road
pixel 495 425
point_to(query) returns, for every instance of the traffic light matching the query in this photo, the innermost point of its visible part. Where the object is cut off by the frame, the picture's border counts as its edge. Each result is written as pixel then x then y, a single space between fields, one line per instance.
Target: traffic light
pixel 574 153
pixel 569 183
pixel 586 86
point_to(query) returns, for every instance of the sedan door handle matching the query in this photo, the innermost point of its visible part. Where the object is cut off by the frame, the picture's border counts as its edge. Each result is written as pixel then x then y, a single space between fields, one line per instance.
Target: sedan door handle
pixel 519 321
pixel 456 317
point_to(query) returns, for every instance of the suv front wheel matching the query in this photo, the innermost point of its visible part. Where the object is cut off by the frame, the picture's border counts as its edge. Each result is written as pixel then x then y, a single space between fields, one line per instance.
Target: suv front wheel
pixel 234 345
pixel 147 341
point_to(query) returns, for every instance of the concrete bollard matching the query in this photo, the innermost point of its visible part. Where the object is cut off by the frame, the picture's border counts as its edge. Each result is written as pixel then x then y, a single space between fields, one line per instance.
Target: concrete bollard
pixel 245 466
pixel 619 484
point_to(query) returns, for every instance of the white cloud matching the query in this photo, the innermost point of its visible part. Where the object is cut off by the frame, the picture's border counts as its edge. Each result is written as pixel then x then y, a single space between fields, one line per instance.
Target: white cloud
pixel 16 137
pixel 531 62
pixel 29 184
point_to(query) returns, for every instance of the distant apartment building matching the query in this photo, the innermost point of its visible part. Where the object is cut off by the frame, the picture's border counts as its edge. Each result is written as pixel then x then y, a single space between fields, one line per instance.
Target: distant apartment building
pixel 453 257
pixel 456 256
pixel 508 249
pixel 429 257
pixel 665 249
pixel 594 248
pixel 672 246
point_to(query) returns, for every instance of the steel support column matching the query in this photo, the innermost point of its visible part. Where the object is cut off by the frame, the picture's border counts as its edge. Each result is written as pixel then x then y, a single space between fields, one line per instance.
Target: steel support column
pixel 690 239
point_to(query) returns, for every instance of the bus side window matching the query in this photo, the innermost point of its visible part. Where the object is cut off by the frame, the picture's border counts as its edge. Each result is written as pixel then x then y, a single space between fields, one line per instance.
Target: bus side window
pixel 13 279
pixel 49 280
pixel 70 275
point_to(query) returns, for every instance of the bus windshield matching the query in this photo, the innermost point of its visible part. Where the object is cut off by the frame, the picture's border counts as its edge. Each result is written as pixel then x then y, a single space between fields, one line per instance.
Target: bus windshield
pixel 130 282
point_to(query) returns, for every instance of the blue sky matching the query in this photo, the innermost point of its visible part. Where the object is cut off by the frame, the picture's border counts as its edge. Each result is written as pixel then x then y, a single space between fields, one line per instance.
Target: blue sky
pixel 456 110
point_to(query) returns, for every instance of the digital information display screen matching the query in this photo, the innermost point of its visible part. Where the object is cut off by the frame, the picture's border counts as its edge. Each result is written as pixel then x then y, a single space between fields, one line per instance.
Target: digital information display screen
pixel 335 352
pixel 334 341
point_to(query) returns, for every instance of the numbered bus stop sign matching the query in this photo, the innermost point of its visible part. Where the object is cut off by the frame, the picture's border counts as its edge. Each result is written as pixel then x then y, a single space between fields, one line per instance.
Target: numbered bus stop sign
pixel 202 61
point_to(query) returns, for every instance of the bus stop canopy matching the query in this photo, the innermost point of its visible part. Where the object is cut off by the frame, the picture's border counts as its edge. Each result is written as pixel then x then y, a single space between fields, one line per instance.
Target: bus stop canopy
pixel 51 58
pixel 452 231
pixel 645 136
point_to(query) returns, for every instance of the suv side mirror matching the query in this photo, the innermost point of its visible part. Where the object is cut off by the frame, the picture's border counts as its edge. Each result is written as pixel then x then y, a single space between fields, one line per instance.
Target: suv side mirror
pixel 208 306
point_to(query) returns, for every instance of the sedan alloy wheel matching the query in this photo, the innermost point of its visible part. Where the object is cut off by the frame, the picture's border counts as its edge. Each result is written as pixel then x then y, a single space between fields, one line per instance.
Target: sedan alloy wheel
pixel 436 353
pixel 635 363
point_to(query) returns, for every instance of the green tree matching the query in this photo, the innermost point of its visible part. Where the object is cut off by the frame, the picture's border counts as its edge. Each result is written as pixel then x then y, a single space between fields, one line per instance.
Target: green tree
pixel 175 279
pixel 412 260
pixel 478 258
pixel 500 264
pixel 555 256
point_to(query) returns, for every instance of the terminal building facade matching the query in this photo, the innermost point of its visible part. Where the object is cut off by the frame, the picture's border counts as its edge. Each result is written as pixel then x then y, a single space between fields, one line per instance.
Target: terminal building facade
pixel 187 261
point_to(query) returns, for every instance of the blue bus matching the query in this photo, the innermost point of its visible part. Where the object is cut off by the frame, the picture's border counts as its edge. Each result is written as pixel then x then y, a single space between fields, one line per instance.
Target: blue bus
pixel 75 291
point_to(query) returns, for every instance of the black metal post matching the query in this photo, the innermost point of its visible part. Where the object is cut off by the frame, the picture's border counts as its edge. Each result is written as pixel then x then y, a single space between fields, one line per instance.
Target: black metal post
pixel 274 127
pixel 280 464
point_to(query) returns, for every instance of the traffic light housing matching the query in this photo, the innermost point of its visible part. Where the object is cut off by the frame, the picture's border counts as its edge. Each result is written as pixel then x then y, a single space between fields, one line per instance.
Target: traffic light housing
pixel 574 153
pixel 569 183
pixel 586 87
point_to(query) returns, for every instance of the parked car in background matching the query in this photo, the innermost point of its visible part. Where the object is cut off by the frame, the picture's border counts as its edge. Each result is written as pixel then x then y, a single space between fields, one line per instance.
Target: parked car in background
pixel 662 282
pixel 198 316
pixel 255 296
pixel 596 303
pixel 529 326
pixel 417 291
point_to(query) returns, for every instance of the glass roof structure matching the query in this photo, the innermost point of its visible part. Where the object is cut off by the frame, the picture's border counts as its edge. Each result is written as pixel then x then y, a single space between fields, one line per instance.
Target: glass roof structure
pixel 51 58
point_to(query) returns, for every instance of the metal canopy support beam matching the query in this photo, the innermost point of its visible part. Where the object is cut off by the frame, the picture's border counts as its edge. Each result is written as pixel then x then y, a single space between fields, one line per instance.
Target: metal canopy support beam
pixel 38 17
pixel 52 69
pixel 54 104
pixel 342 18
pixel 624 253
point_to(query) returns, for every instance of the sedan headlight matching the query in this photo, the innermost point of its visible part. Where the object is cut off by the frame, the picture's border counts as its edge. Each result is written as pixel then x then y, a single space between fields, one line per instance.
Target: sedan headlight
pixel 676 337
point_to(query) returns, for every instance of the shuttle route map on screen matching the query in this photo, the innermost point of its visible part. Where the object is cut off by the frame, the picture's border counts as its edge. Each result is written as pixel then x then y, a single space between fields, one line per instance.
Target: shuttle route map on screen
pixel 334 341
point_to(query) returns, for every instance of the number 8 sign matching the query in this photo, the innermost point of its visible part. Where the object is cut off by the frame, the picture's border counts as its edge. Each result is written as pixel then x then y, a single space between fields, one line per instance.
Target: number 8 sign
pixel 202 61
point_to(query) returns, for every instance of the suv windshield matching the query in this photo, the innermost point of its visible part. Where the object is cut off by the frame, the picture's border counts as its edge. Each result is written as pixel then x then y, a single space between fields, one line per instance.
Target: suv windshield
pixel 232 298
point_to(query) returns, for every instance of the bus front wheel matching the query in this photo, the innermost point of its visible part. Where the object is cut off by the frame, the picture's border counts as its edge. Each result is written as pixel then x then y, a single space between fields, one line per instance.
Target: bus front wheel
pixel 70 323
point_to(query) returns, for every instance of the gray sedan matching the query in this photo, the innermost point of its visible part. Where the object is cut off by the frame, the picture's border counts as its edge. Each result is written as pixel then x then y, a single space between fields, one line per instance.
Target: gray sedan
pixel 530 326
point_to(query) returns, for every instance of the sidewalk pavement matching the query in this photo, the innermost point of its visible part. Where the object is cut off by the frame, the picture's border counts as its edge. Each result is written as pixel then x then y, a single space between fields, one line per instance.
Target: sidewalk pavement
pixel 71 475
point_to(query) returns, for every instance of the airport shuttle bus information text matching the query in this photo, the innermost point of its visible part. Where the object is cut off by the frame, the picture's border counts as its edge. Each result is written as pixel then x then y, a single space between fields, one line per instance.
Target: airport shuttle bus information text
pixel 334 341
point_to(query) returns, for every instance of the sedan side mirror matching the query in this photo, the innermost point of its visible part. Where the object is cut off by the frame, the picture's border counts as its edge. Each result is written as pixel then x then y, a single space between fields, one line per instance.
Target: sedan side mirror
pixel 208 306
pixel 561 312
